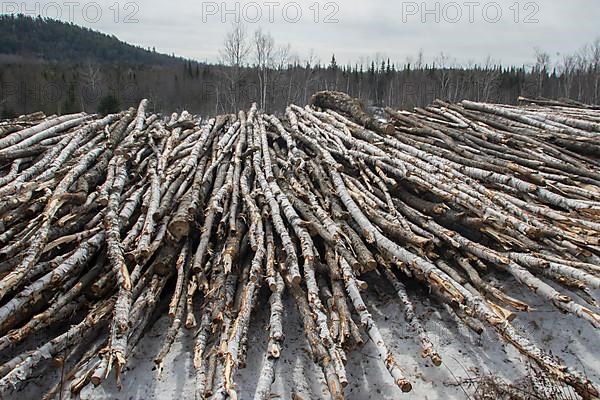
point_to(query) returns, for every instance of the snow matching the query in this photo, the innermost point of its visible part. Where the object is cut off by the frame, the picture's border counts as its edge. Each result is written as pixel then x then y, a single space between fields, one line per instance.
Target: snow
pixel 466 355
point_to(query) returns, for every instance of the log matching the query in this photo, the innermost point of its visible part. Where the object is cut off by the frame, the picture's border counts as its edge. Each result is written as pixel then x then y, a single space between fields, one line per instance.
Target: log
pixel 110 223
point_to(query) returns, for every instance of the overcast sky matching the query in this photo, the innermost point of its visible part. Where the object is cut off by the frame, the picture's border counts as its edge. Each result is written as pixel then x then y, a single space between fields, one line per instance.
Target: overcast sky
pixel 355 30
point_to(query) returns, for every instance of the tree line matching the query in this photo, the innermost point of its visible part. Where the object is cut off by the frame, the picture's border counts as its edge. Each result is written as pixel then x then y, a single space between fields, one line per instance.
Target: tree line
pixel 254 67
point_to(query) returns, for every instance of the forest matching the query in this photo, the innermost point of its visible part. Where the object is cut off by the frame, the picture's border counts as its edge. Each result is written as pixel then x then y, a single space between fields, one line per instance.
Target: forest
pixel 59 68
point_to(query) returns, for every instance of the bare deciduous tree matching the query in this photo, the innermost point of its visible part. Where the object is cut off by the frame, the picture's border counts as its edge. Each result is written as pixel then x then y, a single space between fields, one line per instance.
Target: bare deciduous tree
pixel 91 77
pixel 542 63
pixel 489 80
pixel 444 65
pixel 264 53
pixel 235 52
pixel 567 68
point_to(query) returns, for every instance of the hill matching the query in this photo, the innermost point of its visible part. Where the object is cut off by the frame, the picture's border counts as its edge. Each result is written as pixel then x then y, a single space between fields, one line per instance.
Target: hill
pixel 53 40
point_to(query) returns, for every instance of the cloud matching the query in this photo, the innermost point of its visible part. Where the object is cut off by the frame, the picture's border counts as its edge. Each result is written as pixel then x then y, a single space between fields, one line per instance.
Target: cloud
pixel 507 30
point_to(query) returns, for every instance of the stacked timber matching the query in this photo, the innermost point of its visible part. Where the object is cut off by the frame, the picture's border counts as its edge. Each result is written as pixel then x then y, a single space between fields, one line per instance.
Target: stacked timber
pixel 105 219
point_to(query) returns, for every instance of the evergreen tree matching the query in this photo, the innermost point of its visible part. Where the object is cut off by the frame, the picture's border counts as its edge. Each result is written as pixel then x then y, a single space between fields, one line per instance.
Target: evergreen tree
pixel 333 65
pixel 70 103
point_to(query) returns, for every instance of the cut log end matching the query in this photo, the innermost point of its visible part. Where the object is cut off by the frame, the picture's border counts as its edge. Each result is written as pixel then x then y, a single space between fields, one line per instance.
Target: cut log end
pixel 404 385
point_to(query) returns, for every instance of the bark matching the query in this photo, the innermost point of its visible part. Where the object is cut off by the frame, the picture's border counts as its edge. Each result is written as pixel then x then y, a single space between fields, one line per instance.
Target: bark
pixel 108 223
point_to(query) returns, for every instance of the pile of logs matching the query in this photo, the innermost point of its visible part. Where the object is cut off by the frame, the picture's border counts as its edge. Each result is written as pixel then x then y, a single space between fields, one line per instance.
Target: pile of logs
pixel 105 219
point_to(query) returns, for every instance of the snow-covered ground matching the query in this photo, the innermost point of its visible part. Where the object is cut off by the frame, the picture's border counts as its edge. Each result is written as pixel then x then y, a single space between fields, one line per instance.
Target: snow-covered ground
pixel 466 356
